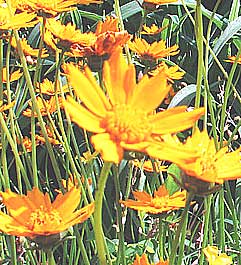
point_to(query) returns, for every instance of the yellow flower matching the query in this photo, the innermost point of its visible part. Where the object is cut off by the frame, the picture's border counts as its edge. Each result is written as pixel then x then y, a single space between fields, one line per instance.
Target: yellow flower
pixel 27 143
pixel 4 107
pixel 13 76
pixel 51 137
pixel 149 166
pixel 214 257
pixel 87 157
pixel 210 165
pixel 143 260
pixel 159 203
pixel 66 35
pixel 47 88
pixel 152 30
pixel 231 59
pixel 28 50
pixel 160 2
pixel 171 72
pixel 16 21
pixel 46 107
pixel 153 51
pixel 124 119
pixel 34 215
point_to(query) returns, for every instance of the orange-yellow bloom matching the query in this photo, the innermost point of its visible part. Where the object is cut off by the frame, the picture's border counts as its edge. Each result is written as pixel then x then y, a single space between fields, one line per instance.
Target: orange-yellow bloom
pixel 159 203
pixel 214 257
pixel 153 51
pixel 28 50
pixel 149 166
pixel 143 260
pixel 46 107
pixel 152 30
pixel 16 21
pixel 13 76
pixel 47 88
pixel 231 59
pixel 4 107
pixel 160 2
pixel 34 215
pixel 27 143
pixel 124 119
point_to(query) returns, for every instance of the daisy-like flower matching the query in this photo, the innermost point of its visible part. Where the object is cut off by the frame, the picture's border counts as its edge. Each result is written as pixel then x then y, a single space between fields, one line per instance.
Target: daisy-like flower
pixel 159 203
pixel 214 256
pixel 210 165
pixel 46 107
pixel 152 30
pixel 51 137
pixel 28 50
pixel 231 59
pixel 47 88
pixel 143 260
pixel 149 166
pixel 4 107
pixel 124 119
pixel 171 72
pixel 27 143
pixel 67 35
pixel 153 51
pixel 16 21
pixel 34 215
pixel 13 76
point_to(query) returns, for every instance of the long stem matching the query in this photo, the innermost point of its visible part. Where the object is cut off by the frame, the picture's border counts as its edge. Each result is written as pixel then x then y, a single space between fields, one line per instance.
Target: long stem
pixel 175 244
pixel 50 257
pixel 98 228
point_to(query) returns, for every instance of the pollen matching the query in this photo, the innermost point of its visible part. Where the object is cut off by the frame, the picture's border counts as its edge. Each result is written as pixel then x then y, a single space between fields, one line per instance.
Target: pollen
pixel 42 217
pixel 126 124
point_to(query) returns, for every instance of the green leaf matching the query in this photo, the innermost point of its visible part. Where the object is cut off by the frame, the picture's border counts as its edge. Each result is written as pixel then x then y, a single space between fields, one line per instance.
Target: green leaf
pixel 170 183
pixel 234 10
pixel 130 9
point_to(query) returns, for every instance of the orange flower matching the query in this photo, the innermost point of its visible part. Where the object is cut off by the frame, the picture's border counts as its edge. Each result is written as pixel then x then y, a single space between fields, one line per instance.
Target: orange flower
pixel 67 35
pixel 124 120
pixel 214 257
pixel 171 72
pixel 47 88
pixel 13 76
pixel 6 107
pixel 15 21
pixel 149 166
pixel 161 202
pixel 153 51
pixel 160 2
pixel 27 143
pixel 34 215
pixel 152 30
pixel 143 260
pixel 87 157
pixel 46 107
pixel 231 59
pixel 51 137
pixel 28 50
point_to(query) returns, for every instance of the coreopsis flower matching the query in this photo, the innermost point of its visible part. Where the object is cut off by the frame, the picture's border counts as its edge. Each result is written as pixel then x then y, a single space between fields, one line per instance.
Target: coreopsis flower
pixel 171 72
pixel 231 59
pixel 210 165
pixel 124 119
pixel 47 88
pixel 4 107
pixel 27 143
pixel 153 51
pixel 149 166
pixel 152 30
pixel 28 50
pixel 143 260
pixel 159 203
pixel 15 21
pixel 51 137
pixel 34 215
pixel 46 107
pixel 67 35
pixel 160 2
pixel 87 156
pixel 214 256
pixel 13 76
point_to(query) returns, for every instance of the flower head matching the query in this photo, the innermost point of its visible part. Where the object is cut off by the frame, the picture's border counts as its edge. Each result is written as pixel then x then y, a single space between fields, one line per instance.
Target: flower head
pixel 34 215
pixel 143 260
pixel 214 257
pixel 159 203
pixel 149 166
pixel 153 51
pixel 231 59
pixel 124 119
pixel 47 88
pixel 210 165
pixel 13 76
pixel 4 107
pixel 152 30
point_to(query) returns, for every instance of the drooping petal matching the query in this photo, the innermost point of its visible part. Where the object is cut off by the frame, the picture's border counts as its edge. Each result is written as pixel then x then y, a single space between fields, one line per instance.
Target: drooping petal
pixel 82 116
pixel 109 149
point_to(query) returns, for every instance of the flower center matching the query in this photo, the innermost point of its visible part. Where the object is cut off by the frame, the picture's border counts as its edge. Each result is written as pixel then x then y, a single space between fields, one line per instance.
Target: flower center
pixel 159 202
pixel 44 217
pixel 208 167
pixel 127 124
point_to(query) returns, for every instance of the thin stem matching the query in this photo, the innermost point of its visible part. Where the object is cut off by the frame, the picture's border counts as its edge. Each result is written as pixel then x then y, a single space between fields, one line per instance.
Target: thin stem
pixel 221 222
pixel 50 257
pixel 98 228
pixel 161 232
pixel 181 225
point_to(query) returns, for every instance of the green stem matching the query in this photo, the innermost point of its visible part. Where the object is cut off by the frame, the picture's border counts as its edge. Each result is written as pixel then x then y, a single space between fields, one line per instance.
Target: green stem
pixel 121 247
pixel 98 228
pixel 50 257
pixel 181 225
pixel 161 232
pixel 221 222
